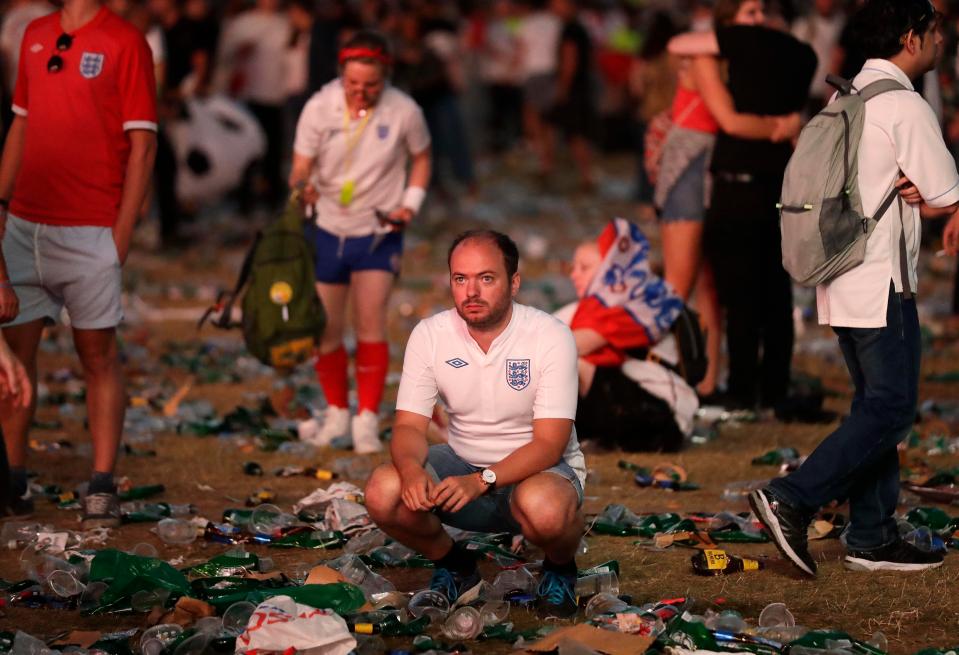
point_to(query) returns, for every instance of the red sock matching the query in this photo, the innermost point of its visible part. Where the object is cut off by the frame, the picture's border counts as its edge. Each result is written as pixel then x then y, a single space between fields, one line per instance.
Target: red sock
pixel 372 364
pixel 331 371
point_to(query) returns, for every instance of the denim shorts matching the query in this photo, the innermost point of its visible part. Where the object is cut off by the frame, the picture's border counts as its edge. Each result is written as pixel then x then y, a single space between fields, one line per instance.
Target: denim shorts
pixel 337 257
pixel 686 201
pixel 489 513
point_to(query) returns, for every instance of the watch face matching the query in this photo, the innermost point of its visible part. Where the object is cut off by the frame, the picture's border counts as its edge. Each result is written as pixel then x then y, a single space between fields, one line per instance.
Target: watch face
pixel 489 477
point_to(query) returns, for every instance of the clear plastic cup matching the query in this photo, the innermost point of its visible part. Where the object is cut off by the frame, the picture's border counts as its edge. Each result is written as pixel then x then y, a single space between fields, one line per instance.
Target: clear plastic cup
pixel 90 597
pixel 776 615
pixel 494 612
pixel 299 572
pixel 64 583
pixel 727 621
pixel 194 645
pixel 268 518
pixel 604 603
pixel 598 583
pixel 433 604
pixel 390 600
pixel 144 549
pixel 236 617
pixel 463 624
pixel 176 532
pixel 518 580
pixel 210 625
pixel 155 639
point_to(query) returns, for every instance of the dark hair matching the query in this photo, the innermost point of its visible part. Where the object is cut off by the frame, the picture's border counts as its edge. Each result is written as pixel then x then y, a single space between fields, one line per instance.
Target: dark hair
pixel 660 30
pixel 880 25
pixel 505 245
pixel 724 12
pixel 370 40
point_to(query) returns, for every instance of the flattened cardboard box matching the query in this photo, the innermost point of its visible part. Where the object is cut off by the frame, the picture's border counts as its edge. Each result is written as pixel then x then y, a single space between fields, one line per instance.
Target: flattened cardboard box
pixel 604 641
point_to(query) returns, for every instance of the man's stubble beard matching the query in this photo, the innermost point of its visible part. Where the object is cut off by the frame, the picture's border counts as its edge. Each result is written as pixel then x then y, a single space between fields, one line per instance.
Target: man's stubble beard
pixel 496 314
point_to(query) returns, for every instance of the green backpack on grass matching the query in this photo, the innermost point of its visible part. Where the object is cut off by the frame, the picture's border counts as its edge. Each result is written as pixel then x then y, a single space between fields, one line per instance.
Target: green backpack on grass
pixel 283 318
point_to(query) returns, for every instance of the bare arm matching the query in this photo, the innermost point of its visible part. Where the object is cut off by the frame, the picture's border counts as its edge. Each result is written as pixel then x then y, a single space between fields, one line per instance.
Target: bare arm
pixel 421 168
pixel 567 69
pixel 409 449
pixel 300 171
pixel 9 165
pixel 718 100
pixel 143 147
pixel 550 437
pixel 588 340
pixel 694 44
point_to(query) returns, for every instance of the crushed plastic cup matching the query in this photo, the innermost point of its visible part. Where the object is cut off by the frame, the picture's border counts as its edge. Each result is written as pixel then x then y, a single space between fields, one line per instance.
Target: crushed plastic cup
pixel 776 615
pixel 433 604
pixel 514 581
pixel 604 603
pixel 494 612
pixel 268 518
pixel 146 599
pixel 164 633
pixel 210 625
pixel 359 574
pixel 390 600
pixel 64 583
pixel 598 583
pixel 176 532
pixel 90 597
pixel 144 549
pixel 299 572
pixel 463 624
pixel 193 645
pixel 236 617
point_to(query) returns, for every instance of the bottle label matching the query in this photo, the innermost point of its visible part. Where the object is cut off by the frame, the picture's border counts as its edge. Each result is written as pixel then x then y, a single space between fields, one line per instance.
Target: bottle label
pixel 716 560
pixel 363 628
pixel 750 565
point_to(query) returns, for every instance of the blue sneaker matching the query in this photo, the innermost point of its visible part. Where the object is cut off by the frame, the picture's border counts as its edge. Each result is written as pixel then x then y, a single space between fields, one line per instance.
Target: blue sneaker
pixel 556 595
pixel 453 585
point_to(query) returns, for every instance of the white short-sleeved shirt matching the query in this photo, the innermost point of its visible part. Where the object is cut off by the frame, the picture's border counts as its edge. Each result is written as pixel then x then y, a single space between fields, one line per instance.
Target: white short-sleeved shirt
pixel 530 372
pixel 900 132
pixel 378 167
pixel 539 38
pixel 267 35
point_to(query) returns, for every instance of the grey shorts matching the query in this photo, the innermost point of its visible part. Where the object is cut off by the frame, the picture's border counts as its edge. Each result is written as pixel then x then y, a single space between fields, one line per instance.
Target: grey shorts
pixel 53 266
pixel 491 512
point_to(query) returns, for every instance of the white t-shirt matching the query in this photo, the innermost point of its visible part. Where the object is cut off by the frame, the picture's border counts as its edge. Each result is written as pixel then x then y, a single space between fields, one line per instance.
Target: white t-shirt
pixel 266 36
pixel 539 41
pixel 900 132
pixel 15 23
pixel 530 372
pixel 377 165
pixel 822 33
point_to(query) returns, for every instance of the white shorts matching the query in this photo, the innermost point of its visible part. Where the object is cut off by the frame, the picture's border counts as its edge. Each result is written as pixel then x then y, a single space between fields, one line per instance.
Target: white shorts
pixel 53 266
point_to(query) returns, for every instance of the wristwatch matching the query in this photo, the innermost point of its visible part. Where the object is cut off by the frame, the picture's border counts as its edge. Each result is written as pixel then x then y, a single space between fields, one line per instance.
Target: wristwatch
pixel 488 476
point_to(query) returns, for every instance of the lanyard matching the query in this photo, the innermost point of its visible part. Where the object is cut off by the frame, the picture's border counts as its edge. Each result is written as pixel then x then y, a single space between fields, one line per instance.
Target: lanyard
pixel 352 138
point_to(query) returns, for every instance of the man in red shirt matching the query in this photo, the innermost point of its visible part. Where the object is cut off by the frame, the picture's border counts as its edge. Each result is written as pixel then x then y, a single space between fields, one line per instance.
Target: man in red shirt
pixel 74 173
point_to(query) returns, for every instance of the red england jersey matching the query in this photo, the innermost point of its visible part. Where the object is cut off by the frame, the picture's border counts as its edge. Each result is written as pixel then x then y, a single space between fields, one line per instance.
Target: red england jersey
pixel 76 148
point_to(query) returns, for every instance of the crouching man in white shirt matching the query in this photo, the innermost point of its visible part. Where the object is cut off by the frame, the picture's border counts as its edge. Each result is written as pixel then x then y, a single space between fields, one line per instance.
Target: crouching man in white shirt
pixel 507 374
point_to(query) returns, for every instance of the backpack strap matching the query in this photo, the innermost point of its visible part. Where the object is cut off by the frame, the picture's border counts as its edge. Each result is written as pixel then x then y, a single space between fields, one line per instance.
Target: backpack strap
pixel 225 320
pixel 879 87
pixel 907 290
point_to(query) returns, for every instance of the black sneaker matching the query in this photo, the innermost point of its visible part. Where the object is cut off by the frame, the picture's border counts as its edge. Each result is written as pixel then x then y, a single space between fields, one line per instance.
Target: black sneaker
pixel 897 556
pixel 100 510
pixel 786 526
pixel 556 595
pixel 452 584
pixel 16 508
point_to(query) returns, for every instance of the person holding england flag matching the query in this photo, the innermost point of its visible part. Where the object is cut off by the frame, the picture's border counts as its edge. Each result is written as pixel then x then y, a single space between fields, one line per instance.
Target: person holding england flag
pixel 354 142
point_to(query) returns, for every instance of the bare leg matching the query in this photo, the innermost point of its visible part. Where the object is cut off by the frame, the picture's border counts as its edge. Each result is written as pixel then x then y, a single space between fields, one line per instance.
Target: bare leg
pixel 106 399
pixel 421 531
pixel 682 254
pixel 334 302
pixel 583 156
pixel 707 302
pixel 586 373
pixel 370 293
pixel 544 505
pixel 14 419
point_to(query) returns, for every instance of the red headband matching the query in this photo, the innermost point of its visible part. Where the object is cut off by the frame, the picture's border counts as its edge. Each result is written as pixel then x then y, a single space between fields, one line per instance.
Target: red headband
pixel 376 54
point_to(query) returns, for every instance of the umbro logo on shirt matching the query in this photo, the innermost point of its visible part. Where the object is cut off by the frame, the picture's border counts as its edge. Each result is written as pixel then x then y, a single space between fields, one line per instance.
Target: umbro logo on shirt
pixel 456 362
pixel 36 47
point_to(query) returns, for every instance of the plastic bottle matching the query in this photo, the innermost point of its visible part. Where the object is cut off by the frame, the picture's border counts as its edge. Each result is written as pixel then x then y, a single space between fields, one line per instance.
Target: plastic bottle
pixel 776 457
pixel 597 583
pixel 717 562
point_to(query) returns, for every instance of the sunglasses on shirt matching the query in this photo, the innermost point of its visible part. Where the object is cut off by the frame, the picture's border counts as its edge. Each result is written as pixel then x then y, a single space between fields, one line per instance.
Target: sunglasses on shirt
pixel 55 63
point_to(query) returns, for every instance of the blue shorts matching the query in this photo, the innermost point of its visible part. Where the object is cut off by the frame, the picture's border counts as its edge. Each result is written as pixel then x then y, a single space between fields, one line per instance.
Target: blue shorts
pixel 686 200
pixel 489 513
pixel 337 257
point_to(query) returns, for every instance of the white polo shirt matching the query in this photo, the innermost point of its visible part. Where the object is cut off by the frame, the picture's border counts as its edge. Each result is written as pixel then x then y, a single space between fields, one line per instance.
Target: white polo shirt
pixel 376 165
pixel 530 372
pixel 900 132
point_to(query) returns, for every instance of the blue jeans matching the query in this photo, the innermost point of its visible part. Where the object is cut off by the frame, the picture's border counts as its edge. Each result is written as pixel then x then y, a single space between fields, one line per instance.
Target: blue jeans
pixel 491 512
pixel 859 460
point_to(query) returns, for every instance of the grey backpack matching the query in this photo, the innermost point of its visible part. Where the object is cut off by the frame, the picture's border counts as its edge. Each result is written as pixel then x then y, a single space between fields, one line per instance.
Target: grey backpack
pixel 824 231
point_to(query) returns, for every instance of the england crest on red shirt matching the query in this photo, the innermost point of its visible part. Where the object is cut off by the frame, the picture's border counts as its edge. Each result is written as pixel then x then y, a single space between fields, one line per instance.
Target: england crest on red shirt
pixel 91 64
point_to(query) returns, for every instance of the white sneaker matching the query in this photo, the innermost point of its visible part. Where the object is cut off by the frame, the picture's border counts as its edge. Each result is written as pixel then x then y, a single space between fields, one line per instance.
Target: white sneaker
pixel 366 433
pixel 336 423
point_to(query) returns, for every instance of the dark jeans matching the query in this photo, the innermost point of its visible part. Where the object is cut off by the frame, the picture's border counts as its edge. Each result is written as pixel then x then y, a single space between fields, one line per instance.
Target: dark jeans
pixel 859 460
pixel 744 246
pixel 450 139
pixel 270 118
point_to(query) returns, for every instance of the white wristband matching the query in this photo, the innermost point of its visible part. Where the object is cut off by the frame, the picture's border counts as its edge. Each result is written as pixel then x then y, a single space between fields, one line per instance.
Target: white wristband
pixel 413 198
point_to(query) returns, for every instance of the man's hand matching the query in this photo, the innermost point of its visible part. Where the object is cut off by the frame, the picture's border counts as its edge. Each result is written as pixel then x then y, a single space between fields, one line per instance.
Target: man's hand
pixel 14 382
pixel 950 236
pixel 454 493
pixel 416 489
pixel 908 191
pixel 309 195
pixel 404 214
pixel 9 303
pixel 121 239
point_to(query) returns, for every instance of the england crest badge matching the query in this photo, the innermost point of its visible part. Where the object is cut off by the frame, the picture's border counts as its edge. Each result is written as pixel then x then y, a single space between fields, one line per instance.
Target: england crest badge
pixel 382 131
pixel 91 64
pixel 517 373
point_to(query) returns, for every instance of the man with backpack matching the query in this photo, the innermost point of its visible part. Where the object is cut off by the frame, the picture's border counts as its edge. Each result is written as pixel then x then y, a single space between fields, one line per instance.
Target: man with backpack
pixel 868 298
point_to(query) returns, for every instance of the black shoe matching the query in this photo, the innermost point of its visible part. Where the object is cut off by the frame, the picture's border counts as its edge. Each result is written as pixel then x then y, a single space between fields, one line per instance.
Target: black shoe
pixel 452 584
pixel 897 556
pixel 786 526
pixel 16 508
pixel 556 595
